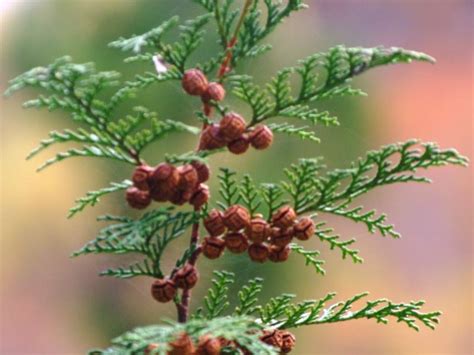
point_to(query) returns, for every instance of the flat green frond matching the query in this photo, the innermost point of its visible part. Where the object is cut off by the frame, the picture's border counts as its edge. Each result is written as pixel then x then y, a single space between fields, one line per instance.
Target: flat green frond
pixel 80 135
pixel 248 297
pixel 216 301
pixel 302 132
pixel 391 164
pixel 257 98
pixel 250 196
pixel 91 151
pixel 273 196
pixel 137 42
pixel 243 330
pixel 275 308
pixel 257 26
pixel 325 235
pixel 310 257
pixel 375 223
pixel 314 312
pixel 301 182
pixel 144 268
pixel 93 197
pixel 228 188
pixel 148 235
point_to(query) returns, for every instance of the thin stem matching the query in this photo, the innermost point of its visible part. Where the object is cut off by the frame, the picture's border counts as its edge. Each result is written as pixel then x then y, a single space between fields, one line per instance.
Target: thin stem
pixel 182 305
pixel 224 68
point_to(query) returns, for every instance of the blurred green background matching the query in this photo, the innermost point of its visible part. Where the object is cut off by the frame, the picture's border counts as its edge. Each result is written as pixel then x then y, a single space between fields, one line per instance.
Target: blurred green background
pixel 51 304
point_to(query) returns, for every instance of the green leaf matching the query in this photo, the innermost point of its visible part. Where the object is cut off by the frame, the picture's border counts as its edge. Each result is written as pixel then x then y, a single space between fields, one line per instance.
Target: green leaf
pixel 149 235
pixel 310 257
pixel 93 197
pixel 216 300
pixel 248 297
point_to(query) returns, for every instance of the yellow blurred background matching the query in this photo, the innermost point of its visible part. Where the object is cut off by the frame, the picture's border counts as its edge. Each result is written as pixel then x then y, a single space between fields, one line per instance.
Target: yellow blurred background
pixel 51 304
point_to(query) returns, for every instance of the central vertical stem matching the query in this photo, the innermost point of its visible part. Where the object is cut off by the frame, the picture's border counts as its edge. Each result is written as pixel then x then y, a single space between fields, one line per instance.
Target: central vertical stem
pixel 183 306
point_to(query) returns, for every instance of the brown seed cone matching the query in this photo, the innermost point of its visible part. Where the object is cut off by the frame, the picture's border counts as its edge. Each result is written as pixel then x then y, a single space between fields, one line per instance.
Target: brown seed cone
pixel 288 341
pixel 272 337
pixel 213 247
pixel 163 290
pixel 239 145
pixel 285 217
pixel 200 196
pixel 137 198
pixel 208 346
pixel 141 176
pixel 180 197
pixel 183 345
pixel 236 242
pixel 188 177
pixel 150 348
pixel 279 254
pixel 214 223
pixel 236 217
pixel 214 92
pixel 304 228
pixel 281 237
pixel 202 170
pixel 258 252
pixel 186 277
pixel 194 82
pixel 163 182
pixel 212 138
pixel 226 343
pixel 261 137
pixel 232 126
pixel 258 230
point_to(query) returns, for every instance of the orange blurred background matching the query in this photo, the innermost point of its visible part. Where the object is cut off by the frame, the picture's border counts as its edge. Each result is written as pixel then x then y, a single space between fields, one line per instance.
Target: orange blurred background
pixel 51 304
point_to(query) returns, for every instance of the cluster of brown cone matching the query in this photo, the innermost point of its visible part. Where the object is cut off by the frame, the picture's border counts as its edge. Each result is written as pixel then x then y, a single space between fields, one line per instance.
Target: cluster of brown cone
pixel 231 131
pixel 236 231
pixel 184 345
pixel 165 289
pixel 166 182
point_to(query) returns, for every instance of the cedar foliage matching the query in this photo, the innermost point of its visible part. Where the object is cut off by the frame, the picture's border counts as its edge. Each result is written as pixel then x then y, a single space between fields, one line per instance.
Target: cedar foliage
pixel 309 187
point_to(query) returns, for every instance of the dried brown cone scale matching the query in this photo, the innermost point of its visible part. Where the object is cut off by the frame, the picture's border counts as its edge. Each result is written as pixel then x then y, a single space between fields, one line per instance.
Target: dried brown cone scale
pixel 281 237
pixel 212 138
pixel 261 137
pixel 163 181
pixel 214 92
pixel 285 217
pixel 208 346
pixel 180 197
pixel 188 177
pixel 141 176
pixel 279 254
pixel 213 247
pixel 236 217
pixel 186 277
pixel 163 290
pixel 258 230
pixel 236 242
pixel 232 126
pixel 288 341
pixel 258 252
pixel 194 82
pixel 272 338
pixel 214 223
pixel 183 345
pixel 200 196
pixel 202 170
pixel 137 198
pixel 304 229
pixel 239 145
